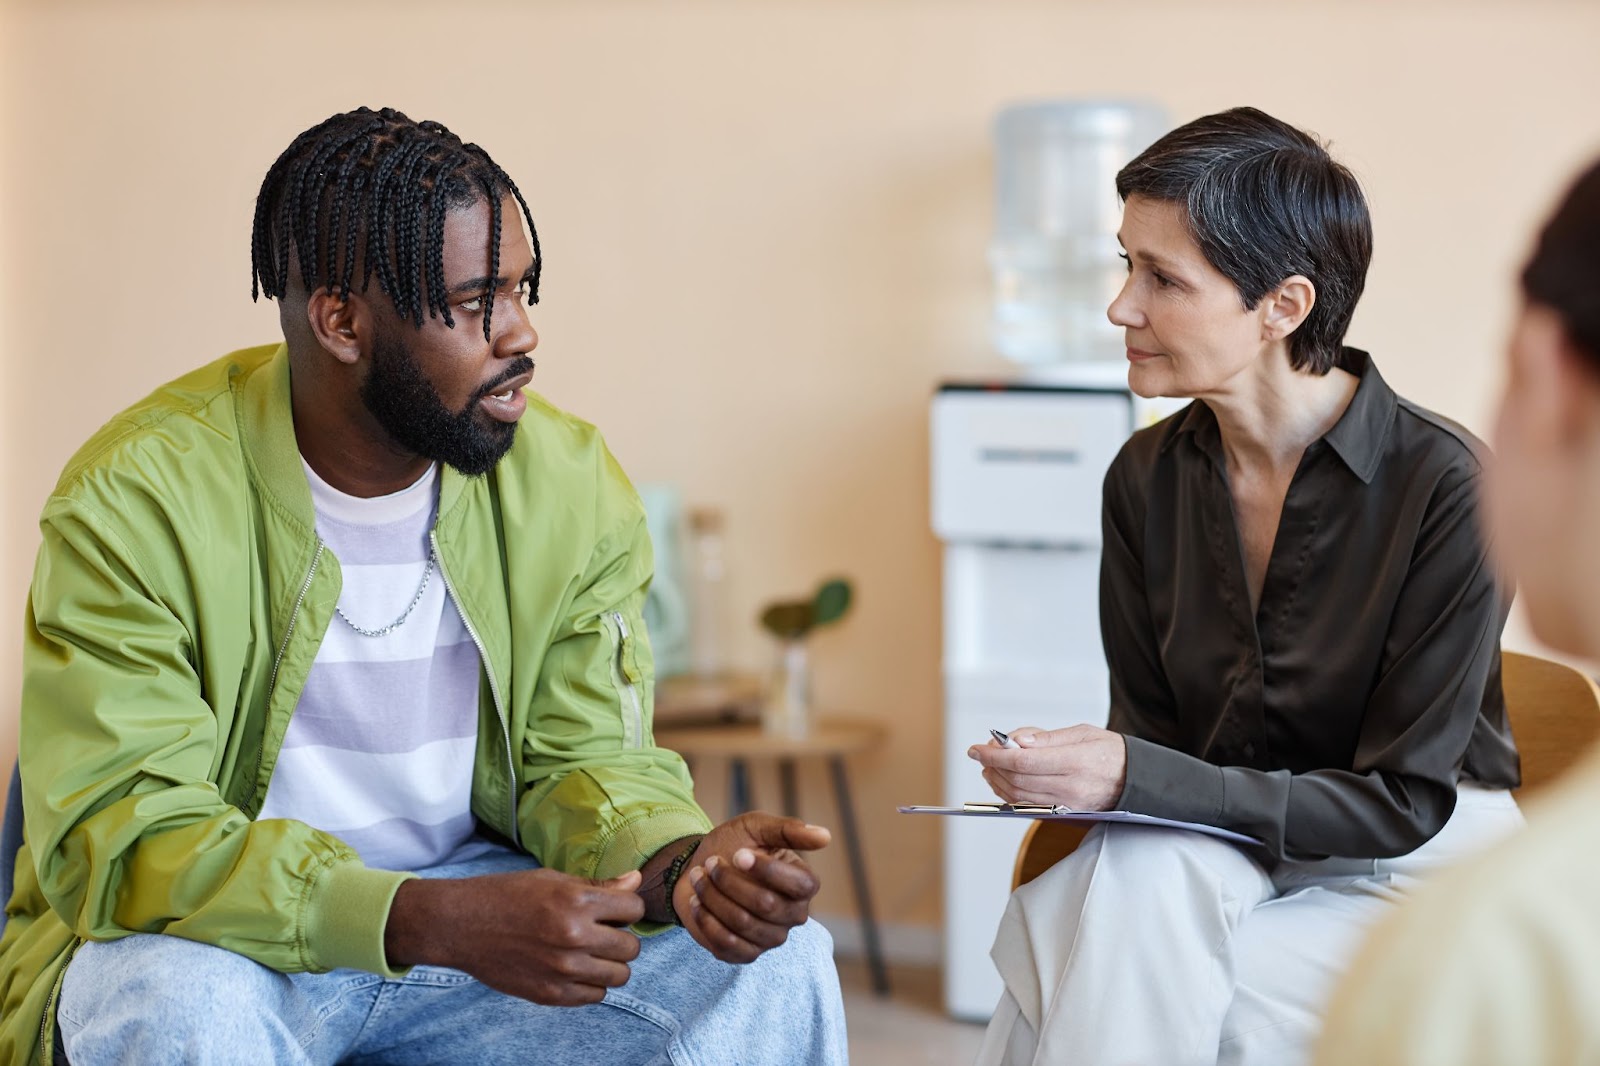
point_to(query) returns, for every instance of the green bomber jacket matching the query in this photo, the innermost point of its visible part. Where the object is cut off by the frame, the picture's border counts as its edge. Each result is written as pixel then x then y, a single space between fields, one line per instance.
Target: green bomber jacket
pixel 179 598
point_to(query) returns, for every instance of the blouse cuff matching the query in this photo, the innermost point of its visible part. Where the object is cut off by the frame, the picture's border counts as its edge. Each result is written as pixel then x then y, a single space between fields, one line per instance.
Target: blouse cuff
pixel 1169 784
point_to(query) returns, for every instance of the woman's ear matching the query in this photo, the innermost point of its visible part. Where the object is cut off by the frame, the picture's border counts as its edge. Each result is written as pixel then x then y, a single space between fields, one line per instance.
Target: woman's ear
pixel 340 325
pixel 1284 308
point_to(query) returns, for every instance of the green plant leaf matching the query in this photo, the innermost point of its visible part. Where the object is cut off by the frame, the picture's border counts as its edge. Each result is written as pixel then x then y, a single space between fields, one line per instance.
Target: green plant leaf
pixel 789 620
pixel 831 602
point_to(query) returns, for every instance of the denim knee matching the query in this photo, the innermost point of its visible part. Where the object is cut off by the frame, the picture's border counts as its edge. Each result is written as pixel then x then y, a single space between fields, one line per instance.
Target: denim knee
pixel 809 948
pixel 802 977
pixel 164 983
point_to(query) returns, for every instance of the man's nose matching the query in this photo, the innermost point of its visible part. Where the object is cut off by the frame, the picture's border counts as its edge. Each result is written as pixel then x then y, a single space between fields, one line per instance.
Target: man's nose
pixel 517 336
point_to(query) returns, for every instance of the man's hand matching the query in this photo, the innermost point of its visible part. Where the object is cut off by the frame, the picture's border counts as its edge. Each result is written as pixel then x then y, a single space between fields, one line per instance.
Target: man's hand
pixel 540 935
pixel 747 886
pixel 1083 767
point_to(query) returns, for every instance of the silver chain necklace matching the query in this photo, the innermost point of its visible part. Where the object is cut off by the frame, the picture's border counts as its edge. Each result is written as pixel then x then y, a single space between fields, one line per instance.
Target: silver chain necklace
pixel 398 622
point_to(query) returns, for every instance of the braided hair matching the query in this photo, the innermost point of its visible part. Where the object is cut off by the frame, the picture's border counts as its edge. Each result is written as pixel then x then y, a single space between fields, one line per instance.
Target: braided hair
pixel 375 186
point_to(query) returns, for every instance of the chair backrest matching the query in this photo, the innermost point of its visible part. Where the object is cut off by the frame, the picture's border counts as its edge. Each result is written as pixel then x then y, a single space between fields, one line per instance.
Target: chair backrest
pixel 1555 718
pixel 1044 845
pixel 1555 715
pixel 10 841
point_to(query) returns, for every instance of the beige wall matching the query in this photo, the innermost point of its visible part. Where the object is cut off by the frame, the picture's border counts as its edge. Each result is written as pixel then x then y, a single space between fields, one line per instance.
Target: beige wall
pixel 765 228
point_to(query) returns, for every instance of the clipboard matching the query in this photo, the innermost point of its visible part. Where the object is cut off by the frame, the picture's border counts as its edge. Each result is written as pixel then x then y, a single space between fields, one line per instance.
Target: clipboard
pixel 1044 812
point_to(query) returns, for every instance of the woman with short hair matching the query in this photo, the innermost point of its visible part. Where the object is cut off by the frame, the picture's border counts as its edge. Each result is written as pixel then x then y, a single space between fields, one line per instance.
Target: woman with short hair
pixel 1302 630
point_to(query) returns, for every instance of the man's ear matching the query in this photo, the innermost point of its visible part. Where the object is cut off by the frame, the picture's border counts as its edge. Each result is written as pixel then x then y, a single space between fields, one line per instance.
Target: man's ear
pixel 342 327
pixel 1284 308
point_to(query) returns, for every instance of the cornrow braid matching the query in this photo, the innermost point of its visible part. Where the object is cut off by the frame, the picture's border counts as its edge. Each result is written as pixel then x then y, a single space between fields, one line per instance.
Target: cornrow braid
pixel 506 183
pixel 494 245
pixel 381 198
pixel 262 254
pixel 314 222
pixel 436 256
pixel 346 199
pixel 378 183
pixel 402 213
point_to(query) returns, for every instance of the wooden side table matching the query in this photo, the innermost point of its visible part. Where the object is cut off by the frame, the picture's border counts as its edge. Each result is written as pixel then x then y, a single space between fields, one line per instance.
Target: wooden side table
pixel 687 700
pixel 832 740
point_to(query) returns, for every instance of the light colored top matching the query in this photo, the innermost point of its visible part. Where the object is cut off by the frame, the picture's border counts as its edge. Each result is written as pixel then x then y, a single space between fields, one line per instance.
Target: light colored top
pixel 1496 962
pixel 379 750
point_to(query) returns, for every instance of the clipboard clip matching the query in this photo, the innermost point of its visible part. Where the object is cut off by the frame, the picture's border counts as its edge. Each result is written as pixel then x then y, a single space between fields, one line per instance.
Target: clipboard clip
pixel 1015 808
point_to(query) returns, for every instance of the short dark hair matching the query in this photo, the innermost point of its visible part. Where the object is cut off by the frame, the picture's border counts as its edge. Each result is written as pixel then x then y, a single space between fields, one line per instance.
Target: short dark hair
pixel 379 178
pixel 1564 272
pixel 1265 201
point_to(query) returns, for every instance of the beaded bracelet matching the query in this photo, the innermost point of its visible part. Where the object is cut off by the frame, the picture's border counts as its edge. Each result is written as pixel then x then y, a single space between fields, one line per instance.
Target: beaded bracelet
pixel 675 871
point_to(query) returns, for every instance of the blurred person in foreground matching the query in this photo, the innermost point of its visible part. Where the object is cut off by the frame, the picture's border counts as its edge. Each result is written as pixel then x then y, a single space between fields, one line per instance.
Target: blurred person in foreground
pixel 1497 962
pixel 336 703
pixel 1302 630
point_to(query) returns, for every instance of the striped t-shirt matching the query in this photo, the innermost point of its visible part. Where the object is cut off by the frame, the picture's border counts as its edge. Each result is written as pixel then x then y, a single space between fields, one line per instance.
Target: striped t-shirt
pixel 379 751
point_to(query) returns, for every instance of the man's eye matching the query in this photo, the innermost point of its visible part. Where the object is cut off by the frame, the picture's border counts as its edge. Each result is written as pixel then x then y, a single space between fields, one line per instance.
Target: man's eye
pixel 473 305
pixel 1129 262
pixel 1162 280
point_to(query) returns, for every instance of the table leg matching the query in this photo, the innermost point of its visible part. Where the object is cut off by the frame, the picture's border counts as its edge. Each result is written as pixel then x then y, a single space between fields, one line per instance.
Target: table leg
pixel 791 802
pixel 858 874
pixel 738 788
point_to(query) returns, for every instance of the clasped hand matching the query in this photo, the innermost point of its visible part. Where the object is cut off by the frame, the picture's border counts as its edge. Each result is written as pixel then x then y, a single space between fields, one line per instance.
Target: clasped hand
pixel 1083 767
pixel 561 940
pixel 747 885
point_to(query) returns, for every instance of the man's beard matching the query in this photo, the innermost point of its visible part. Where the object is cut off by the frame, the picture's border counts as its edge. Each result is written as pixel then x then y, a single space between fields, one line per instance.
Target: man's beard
pixel 411 411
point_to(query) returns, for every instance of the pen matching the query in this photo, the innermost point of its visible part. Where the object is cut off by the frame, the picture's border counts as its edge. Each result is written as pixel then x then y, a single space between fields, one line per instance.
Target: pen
pixel 1004 739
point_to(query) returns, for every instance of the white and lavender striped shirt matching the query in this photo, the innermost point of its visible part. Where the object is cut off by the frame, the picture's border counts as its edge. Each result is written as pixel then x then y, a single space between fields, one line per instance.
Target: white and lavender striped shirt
pixel 379 751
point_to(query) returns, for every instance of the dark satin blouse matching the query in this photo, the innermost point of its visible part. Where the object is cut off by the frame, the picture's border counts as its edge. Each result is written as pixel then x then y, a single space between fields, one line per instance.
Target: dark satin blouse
pixel 1338 718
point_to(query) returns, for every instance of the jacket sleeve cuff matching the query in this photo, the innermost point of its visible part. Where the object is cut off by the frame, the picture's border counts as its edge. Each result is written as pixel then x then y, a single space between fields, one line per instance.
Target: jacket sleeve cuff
pixel 347 910
pixel 1169 784
pixel 634 842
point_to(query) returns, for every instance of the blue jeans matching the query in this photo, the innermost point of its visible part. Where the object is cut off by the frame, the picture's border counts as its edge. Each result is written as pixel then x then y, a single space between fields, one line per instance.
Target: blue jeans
pixel 153 1000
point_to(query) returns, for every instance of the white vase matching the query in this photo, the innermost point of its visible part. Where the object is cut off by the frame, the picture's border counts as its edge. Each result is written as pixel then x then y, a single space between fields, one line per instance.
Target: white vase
pixel 787 710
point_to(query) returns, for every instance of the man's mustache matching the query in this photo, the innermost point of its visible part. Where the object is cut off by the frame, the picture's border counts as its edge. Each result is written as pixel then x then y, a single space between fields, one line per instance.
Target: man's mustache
pixel 519 366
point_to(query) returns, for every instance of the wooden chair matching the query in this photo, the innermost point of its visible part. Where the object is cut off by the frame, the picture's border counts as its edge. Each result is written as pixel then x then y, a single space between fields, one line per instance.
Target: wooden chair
pixel 1555 717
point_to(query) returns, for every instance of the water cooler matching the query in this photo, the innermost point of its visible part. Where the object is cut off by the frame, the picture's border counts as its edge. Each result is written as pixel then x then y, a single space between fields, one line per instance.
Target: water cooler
pixel 1017 466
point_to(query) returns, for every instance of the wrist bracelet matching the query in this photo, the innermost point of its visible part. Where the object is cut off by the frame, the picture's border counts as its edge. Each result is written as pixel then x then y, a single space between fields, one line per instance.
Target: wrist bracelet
pixel 675 870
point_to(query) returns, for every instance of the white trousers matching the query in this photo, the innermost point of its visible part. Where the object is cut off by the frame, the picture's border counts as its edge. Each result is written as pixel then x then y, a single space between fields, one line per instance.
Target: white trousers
pixel 1158 947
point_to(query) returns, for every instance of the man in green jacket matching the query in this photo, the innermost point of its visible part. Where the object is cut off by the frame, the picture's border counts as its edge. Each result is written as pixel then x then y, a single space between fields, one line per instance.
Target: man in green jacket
pixel 336 705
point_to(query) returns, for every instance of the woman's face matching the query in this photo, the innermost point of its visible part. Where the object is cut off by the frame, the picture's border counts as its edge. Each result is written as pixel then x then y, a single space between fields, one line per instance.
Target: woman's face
pixel 1543 497
pixel 1187 330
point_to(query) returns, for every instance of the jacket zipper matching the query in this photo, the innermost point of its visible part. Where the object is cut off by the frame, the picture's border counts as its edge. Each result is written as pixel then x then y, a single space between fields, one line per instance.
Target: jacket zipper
pixel 50 1006
pixel 623 684
pixel 494 686
pixel 272 679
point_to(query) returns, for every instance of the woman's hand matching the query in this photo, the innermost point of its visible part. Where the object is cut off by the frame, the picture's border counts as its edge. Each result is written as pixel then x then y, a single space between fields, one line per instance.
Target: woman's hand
pixel 1083 767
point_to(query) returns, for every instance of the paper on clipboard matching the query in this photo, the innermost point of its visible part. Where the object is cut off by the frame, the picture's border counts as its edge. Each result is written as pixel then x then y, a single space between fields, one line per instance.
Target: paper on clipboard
pixel 1067 814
